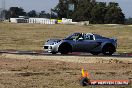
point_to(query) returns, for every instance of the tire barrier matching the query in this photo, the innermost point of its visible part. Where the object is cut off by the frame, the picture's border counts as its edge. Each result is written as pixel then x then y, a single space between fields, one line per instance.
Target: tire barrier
pixel 33 20
pixel 42 21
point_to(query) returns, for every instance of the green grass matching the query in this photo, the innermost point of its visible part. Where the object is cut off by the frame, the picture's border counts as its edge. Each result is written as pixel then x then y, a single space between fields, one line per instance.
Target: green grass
pixel 32 36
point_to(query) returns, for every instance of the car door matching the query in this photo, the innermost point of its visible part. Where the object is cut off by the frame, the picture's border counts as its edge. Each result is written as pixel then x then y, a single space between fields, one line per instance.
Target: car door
pixel 79 44
pixel 89 42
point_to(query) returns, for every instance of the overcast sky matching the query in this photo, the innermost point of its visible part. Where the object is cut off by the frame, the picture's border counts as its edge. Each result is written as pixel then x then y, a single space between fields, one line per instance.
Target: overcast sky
pixel 46 5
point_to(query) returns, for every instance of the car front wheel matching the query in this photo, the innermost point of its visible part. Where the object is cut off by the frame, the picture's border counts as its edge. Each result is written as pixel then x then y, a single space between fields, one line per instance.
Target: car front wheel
pixel 65 48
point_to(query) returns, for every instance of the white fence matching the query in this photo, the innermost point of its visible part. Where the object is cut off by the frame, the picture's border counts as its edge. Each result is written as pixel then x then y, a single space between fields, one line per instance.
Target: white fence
pixel 42 21
pixel 33 20
pixel 18 20
pixel 45 21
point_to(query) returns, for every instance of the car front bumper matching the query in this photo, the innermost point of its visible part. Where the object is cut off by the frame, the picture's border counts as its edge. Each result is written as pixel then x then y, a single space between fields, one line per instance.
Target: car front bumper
pixel 50 48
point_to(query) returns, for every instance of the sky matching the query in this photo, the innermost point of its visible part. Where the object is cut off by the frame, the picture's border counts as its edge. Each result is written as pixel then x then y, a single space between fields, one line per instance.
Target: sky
pixel 46 5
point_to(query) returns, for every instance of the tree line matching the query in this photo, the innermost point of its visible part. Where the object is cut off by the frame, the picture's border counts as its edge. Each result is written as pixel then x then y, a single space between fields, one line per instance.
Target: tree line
pixel 15 12
pixel 91 10
pixel 84 10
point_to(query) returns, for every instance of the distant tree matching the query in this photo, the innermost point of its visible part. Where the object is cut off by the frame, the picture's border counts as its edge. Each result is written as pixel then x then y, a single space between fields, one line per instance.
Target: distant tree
pixel 53 14
pixel 61 9
pixel 32 13
pixel 13 12
pixel 42 14
pixel 16 11
pixel 128 21
pixel 83 10
pixel 7 14
pixel 114 14
pixel 98 13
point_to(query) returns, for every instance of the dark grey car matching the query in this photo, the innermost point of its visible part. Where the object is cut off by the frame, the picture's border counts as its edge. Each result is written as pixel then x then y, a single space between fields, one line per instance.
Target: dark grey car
pixel 82 42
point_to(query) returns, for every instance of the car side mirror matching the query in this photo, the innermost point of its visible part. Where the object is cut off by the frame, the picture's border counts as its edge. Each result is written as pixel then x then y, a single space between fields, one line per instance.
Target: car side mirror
pixel 80 39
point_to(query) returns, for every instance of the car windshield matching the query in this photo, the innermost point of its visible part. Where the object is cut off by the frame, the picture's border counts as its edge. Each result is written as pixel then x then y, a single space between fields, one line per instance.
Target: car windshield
pixel 74 36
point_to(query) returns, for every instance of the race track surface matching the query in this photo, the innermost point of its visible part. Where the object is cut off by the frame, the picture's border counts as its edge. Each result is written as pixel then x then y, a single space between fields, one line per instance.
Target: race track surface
pixel 70 54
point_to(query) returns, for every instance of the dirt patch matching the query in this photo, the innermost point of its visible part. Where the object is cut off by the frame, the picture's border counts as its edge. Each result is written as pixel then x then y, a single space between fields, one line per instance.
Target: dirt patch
pixel 46 72
pixel 75 59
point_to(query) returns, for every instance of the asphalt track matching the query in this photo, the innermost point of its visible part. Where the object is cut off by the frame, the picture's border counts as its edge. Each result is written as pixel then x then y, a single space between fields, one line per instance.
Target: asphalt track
pixel 128 55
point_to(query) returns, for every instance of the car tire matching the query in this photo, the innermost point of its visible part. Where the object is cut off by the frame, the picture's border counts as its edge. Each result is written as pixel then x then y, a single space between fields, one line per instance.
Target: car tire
pixel 94 53
pixel 108 49
pixel 65 48
pixel 53 52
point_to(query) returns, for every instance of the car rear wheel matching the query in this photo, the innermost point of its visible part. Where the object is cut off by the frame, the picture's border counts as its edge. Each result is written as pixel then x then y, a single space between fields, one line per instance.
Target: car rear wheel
pixel 94 53
pixel 53 52
pixel 108 49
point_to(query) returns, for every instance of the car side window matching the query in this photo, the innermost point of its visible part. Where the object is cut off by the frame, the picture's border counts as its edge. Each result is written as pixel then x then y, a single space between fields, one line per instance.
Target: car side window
pixel 88 37
pixel 81 36
pixel 91 37
pixel 76 36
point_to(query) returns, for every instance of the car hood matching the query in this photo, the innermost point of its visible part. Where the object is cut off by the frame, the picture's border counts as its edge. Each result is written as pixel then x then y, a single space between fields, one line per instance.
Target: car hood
pixel 51 41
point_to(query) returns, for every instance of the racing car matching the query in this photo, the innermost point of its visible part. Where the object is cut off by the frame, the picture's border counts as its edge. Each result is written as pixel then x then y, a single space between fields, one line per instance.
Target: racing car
pixel 82 42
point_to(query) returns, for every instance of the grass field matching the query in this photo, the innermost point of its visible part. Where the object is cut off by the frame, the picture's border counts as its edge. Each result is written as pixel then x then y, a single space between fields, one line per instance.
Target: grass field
pixel 41 71
pixel 32 36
